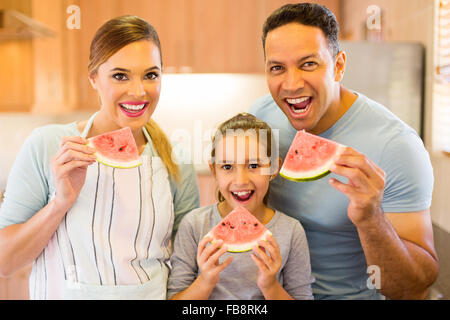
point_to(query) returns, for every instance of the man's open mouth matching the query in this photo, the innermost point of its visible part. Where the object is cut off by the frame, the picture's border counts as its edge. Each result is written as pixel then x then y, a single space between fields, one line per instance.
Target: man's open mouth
pixel 299 105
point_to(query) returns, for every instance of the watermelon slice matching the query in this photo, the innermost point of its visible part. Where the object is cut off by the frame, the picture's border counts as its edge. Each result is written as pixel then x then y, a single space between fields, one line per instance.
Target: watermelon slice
pixel 239 230
pixel 116 149
pixel 309 157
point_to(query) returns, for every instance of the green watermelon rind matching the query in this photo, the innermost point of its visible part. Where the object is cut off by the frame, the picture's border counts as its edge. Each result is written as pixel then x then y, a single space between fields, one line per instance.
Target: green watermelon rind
pixel 306 179
pixel 244 247
pixel 312 175
pixel 113 163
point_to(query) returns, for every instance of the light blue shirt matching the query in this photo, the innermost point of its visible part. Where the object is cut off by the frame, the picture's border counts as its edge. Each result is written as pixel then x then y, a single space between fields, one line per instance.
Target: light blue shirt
pixel 30 183
pixel 337 258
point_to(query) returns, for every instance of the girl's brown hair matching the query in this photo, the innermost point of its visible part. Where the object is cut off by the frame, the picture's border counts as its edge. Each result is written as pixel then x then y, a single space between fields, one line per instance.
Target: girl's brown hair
pixel 244 122
pixel 110 38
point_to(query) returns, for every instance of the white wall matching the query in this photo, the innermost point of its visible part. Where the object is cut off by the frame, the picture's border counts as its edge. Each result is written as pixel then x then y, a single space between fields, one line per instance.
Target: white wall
pixel 192 105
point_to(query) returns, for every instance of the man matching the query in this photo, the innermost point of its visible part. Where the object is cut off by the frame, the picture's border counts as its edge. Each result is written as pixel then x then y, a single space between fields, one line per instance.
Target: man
pixel 368 226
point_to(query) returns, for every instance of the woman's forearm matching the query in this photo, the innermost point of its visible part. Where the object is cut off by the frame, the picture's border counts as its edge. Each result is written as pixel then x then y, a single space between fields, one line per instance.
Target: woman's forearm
pixel 22 243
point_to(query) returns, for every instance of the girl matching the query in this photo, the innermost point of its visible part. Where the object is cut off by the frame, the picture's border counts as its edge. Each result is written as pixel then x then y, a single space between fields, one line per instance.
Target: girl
pixel 93 231
pixel 242 162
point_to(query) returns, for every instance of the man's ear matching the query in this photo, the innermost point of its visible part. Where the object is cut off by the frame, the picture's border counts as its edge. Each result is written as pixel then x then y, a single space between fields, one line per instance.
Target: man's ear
pixel 339 67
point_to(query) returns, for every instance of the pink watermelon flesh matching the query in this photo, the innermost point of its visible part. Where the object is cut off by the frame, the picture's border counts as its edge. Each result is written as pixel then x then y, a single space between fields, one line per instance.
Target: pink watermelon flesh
pixel 116 148
pixel 309 157
pixel 239 230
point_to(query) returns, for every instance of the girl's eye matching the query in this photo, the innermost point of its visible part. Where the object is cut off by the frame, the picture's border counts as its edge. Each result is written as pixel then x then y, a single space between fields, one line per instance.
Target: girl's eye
pixel 120 76
pixel 227 167
pixel 253 165
pixel 151 75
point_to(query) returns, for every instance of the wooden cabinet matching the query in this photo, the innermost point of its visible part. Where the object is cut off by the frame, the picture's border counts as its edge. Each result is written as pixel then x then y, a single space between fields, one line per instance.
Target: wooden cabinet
pixel 49 75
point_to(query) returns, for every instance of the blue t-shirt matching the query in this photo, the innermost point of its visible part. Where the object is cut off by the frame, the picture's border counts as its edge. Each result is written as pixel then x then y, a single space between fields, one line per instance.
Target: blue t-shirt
pixel 337 258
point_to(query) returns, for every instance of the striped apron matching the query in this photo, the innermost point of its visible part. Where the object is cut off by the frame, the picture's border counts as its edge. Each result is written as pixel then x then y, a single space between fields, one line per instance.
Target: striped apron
pixel 114 241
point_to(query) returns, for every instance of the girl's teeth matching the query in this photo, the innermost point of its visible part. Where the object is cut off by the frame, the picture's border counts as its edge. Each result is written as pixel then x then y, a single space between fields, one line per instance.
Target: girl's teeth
pixel 242 194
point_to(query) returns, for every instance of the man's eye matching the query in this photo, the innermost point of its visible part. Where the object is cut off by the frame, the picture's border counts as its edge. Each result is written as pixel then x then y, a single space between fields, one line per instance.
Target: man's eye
pixel 253 165
pixel 120 76
pixel 276 68
pixel 310 65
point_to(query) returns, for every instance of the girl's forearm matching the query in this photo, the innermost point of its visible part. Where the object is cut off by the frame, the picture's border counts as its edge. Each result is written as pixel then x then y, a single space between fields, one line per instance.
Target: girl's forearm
pixel 276 292
pixel 198 290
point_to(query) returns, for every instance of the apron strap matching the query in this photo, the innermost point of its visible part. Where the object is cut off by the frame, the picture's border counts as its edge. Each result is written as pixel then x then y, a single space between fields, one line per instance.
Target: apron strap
pixel 88 126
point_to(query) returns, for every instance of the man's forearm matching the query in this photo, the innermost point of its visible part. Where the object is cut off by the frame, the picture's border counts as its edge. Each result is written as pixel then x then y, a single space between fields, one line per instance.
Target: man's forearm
pixel 407 270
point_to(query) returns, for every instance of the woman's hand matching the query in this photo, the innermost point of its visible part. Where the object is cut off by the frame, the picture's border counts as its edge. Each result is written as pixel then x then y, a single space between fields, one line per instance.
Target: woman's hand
pixel 69 167
pixel 267 258
pixel 208 261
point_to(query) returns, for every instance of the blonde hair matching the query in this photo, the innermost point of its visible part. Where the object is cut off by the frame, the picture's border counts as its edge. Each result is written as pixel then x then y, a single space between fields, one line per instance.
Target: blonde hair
pixel 164 149
pixel 110 38
pixel 244 121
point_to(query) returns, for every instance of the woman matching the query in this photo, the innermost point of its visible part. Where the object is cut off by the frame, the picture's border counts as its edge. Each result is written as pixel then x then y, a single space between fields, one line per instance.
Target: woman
pixel 91 230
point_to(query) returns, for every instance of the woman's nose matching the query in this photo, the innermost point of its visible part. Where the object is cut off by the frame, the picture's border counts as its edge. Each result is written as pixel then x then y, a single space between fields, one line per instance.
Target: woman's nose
pixel 136 88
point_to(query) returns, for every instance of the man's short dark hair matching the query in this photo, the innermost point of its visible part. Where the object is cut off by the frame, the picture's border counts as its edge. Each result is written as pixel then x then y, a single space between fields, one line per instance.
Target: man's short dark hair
pixel 308 14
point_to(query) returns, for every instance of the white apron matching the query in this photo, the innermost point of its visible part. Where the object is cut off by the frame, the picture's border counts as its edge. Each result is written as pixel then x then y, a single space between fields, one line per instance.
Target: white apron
pixel 114 241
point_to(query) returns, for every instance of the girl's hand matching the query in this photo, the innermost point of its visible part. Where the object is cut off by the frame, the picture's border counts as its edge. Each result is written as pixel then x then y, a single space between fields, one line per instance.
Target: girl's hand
pixel 69 167
pixel 267 257
pixel 208 260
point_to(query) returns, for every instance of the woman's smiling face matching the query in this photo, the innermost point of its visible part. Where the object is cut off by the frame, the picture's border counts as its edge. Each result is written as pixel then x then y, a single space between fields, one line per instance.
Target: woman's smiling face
pixel 129 85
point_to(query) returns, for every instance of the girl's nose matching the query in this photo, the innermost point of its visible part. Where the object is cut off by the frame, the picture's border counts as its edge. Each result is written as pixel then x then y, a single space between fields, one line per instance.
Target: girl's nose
pixel 241 176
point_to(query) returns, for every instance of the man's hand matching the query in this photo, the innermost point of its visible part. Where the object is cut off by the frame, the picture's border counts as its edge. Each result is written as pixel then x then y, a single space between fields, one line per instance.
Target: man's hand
pixel 365 187
pixel 401 244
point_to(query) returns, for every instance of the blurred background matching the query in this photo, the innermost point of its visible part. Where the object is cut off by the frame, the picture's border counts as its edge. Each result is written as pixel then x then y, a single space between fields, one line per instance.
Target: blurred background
pixel 398 54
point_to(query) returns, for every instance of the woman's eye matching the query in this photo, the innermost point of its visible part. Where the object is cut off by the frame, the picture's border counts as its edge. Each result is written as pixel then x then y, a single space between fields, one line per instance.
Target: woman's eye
pixel 151 75
pixel 120 76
